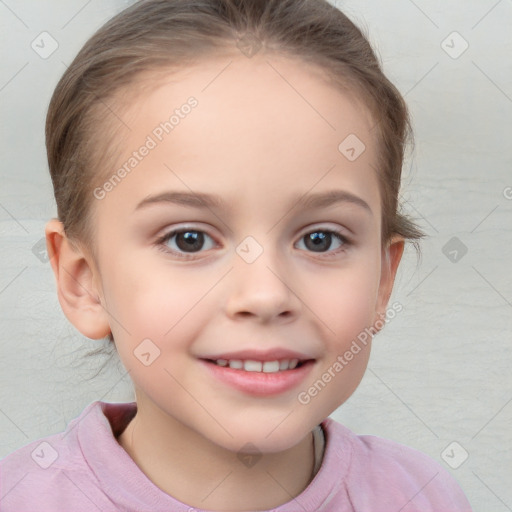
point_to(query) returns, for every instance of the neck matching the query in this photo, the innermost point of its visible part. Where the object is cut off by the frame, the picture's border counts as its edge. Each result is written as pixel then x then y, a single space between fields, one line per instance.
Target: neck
pixel 195 471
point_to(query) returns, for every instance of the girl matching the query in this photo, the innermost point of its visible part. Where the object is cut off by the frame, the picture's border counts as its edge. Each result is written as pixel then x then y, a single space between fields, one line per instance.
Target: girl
pixel 226 175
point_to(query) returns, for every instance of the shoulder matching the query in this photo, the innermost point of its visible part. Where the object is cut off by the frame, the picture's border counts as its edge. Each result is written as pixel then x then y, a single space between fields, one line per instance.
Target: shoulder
pixel 31 475
pixel 395 475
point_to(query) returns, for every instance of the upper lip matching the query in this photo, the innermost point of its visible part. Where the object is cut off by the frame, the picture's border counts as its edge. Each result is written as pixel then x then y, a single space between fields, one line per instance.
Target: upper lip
pixel 273 354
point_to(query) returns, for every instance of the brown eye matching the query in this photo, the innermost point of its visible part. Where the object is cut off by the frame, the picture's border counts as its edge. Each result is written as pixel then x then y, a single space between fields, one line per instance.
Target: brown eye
pixel 187 241
pixel 322 240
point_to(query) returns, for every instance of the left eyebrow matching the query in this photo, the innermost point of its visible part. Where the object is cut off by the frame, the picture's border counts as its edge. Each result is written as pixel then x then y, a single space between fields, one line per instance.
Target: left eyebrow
pixel 329 198
pixel 202 200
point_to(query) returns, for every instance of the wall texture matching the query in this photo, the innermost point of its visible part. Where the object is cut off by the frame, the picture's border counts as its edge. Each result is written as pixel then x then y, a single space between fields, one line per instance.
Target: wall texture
pixel 439 378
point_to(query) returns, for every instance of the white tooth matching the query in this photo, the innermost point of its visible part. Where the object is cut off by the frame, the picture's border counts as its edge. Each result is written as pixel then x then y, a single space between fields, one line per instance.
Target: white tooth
pixel 236 364
pixel 271 366
pixel 293 363
pixel 284 364
pixel 222 362
pixel 253 366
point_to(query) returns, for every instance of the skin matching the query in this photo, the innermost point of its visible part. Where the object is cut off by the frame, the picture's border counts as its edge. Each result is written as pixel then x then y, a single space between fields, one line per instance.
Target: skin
pixel 257 143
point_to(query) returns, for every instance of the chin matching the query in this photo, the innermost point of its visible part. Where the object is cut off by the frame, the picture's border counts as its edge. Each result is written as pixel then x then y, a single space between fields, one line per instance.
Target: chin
pixel 264 436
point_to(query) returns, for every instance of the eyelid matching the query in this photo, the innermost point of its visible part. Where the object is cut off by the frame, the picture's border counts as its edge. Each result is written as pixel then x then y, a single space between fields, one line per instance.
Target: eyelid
pixel 326 226
pixel 185 227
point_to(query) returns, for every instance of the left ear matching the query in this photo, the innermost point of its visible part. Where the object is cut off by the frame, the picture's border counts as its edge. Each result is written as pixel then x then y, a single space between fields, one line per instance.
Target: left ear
pixel 391 256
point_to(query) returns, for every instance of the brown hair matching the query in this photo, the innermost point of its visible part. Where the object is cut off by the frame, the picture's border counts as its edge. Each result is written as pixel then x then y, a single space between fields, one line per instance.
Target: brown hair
pixel 167 34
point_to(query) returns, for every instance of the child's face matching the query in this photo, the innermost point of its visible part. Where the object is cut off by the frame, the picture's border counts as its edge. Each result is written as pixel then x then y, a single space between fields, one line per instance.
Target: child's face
pixel 264 134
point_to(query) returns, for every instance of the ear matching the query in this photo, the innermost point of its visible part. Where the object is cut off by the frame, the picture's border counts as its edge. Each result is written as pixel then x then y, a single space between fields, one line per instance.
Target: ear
pixel 391 256
pixel 76 278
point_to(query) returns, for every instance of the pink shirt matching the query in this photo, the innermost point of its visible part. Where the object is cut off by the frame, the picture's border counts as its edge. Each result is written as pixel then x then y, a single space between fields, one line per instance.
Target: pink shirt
pixel 85 469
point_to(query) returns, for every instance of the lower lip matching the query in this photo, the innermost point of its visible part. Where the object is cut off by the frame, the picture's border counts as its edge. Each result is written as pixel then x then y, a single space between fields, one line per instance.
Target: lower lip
pixel 260 383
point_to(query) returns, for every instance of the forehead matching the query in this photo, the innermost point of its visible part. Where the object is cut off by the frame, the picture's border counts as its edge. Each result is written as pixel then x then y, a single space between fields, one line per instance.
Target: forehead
pixel 260 89
pixel 267 123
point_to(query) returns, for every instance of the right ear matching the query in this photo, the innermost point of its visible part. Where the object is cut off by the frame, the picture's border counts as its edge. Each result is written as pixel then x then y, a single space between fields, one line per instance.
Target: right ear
pixel 76 277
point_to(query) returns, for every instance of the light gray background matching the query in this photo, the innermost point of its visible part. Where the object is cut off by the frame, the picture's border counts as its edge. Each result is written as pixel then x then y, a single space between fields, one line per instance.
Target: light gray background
pixel 440 371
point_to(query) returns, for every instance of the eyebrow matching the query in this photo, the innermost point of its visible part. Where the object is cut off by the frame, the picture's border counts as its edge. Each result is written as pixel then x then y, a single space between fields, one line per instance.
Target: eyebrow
pixel 202 200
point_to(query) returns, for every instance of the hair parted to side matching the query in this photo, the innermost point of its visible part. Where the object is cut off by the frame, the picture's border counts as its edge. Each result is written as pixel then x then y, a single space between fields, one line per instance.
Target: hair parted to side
pixel 166 35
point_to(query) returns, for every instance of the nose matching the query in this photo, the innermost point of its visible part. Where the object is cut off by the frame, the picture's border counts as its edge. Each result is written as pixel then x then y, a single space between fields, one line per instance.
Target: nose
pixel 262 290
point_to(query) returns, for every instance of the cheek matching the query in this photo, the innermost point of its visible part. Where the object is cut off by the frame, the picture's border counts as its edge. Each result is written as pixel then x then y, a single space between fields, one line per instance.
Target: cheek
pixel 347 313
pixel 155 303
pixel 346 303
pixel 154 319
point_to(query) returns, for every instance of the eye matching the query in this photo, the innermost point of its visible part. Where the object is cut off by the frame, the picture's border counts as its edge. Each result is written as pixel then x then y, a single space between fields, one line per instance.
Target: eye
pixel 321 240
pixel 187 241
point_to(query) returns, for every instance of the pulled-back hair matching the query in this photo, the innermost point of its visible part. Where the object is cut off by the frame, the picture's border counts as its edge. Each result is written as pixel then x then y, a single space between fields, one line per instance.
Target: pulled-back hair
pixel 165 35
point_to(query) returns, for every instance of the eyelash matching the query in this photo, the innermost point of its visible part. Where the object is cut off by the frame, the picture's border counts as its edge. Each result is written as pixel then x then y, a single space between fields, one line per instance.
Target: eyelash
pixel 161 242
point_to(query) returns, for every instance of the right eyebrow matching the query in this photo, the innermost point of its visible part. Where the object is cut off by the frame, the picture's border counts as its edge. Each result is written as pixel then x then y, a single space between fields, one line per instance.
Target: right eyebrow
pixel 194 200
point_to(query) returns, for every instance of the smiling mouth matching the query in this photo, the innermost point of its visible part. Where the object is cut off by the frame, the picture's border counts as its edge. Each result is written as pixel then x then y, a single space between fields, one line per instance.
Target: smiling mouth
pixel 249 365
